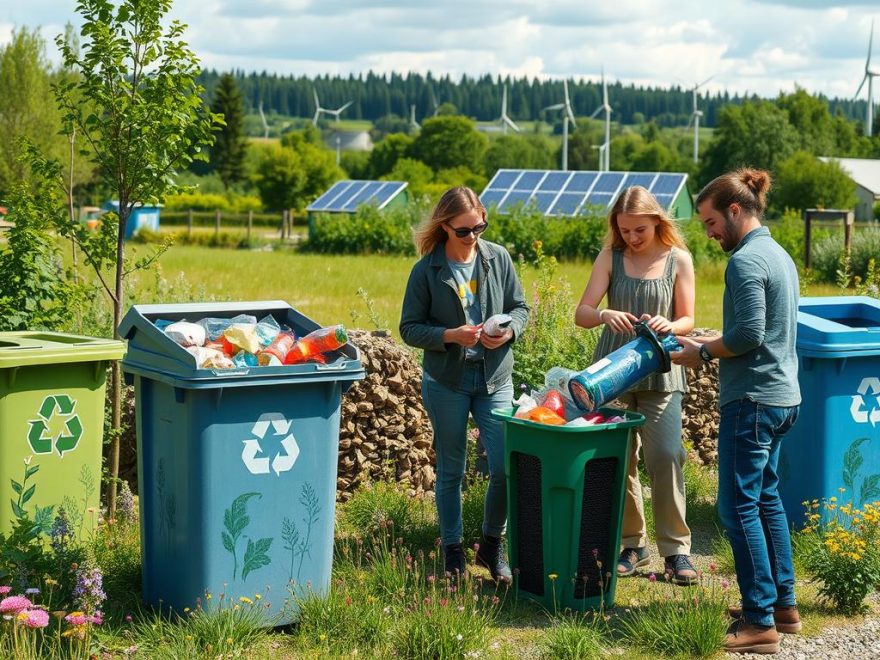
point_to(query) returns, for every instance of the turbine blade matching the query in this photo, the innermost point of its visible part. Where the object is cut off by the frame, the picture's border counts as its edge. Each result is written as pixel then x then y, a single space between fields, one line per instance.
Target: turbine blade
pixel 344 107
pixel 565 87
pixel 555 106
pixel 604 90
pixel 570 115
pixel 504 102
pixel 317 102
pixel 690 121
pixel 507 120
pixel 861 84
pixel 705 81
pixel 597 111
pixel 870 43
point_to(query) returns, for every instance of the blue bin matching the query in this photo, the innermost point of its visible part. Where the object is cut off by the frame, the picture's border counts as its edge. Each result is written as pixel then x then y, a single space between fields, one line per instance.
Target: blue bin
pixel 236 468
pixel 142 217
pixel 836 441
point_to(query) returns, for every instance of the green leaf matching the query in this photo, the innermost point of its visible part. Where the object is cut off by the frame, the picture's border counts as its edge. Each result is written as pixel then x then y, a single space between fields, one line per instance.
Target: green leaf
pixel 870 488
pixel 17 511
pixel 28 494
pixel 31 471
pixel 255 556
pixel 16 486
pixel 235 518
pixel 852 462
pixel 227 542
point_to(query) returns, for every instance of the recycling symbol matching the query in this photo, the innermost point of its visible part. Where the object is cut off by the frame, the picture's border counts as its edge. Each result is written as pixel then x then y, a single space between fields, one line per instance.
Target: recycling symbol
pixel 282 461
pixel 860 413
pixel 40 437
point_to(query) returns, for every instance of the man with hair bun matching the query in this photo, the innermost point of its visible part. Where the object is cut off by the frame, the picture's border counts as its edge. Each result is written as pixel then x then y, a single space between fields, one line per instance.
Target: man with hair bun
pixel 759 401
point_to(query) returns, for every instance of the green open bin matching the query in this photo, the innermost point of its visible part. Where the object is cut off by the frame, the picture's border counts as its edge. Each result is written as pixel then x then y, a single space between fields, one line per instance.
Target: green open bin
pixel 52 419
pixel 565 488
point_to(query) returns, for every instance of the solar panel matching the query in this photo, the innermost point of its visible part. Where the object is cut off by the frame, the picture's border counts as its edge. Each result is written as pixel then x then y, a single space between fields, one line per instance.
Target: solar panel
pixel 346 196
pixel 571 193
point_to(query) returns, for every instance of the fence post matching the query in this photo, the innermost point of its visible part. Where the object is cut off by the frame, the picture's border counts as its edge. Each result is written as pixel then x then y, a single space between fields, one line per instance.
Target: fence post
pixel 217 222
pixel 848 223
pixel 189 222
pixel 807 220
pixel 250 224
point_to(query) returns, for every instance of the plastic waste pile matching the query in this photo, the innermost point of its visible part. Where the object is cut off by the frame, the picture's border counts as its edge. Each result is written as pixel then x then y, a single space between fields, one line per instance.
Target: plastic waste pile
pixel 552 404
pixel 244 342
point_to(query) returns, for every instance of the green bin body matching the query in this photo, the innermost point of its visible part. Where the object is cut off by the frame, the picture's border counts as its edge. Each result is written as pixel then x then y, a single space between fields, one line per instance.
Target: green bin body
pixel 565 488
pixel 52 418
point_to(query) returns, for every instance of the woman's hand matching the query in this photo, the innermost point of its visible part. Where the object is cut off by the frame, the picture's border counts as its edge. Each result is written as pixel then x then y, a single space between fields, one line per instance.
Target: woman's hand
pixel 491 342
pixel 659 324
pixel 463 335
pixel 619 322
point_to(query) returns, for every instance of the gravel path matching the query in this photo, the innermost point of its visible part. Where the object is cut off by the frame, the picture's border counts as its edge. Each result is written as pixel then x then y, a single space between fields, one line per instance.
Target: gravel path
pixel 852 643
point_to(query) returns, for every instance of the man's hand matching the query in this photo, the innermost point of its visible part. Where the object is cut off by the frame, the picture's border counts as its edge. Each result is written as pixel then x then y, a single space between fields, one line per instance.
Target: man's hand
pixel 689 355
pixel 463 335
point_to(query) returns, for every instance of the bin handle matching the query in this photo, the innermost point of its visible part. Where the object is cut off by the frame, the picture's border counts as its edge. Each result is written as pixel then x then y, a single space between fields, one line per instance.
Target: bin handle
pixel 332 367
pixel 230 372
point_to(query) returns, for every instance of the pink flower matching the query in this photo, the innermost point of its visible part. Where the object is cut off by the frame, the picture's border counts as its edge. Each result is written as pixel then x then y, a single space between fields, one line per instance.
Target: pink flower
pixel 37 619
pixel 77 619
pixel 652 577
pixel 96 619
pixel 5 590
pixel 14 605
pixel 128 618
pixel 724 583
pixel 713 567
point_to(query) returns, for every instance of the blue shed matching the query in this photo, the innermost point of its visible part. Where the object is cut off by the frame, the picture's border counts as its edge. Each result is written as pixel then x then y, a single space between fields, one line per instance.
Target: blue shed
pixel 142 217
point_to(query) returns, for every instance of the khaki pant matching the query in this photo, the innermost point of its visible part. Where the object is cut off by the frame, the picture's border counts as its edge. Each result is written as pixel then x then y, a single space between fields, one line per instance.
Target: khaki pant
pixel 664 455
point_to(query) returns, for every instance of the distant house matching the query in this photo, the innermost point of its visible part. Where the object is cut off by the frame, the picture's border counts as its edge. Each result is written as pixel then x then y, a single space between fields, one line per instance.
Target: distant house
pixel 866 174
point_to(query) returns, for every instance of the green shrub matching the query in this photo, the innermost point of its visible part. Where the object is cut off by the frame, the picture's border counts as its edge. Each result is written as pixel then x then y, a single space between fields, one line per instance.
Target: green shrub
pixel 367 231
pixel 702 248
pixel 341 621
pixel 563 238
pixel 576 637
pixel 375 504
pixel 827 250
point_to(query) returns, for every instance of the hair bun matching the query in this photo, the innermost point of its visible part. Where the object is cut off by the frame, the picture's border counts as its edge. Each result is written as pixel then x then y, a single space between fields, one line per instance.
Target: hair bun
pixel 758 181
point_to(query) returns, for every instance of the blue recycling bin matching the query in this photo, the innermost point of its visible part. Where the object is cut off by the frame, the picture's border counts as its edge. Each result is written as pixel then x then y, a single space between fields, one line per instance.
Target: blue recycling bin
pixel 836 441
pixel 236 467
pixel 142 217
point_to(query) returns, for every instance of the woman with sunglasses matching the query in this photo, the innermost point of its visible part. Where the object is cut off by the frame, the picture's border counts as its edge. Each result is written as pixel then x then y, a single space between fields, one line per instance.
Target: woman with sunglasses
pixel 647 273
pixel 460 281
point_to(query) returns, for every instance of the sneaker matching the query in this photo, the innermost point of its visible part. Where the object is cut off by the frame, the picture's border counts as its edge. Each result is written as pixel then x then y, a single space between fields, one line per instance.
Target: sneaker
pixel 680 570
pixel 491 555
pixel 745 637
pixel 787 619
pixel 453 559
pixel 630 559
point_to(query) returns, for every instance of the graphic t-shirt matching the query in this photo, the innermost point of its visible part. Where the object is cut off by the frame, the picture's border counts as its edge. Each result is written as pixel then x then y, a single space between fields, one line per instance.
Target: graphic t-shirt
pixel 465 276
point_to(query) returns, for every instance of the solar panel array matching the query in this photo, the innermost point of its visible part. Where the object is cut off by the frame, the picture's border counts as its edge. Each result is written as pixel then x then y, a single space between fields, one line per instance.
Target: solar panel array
pixel 568 193
pixel 346 196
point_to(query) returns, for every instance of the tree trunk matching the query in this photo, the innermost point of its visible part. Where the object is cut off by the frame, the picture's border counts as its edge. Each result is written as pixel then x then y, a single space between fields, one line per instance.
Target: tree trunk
pixel 116 393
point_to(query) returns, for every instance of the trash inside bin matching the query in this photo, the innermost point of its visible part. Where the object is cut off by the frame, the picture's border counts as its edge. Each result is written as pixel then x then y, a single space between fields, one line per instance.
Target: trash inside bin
pixel 237 467
pixel 565 488
pixel 52 425
pixel 835 443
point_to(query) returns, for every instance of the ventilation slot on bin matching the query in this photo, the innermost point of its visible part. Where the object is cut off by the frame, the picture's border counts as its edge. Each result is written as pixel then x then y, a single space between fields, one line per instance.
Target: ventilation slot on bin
pixel 530 544
pixel 595 527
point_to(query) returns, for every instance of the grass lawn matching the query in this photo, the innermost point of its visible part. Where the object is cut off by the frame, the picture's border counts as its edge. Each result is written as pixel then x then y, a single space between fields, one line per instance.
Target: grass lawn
pixel 325 287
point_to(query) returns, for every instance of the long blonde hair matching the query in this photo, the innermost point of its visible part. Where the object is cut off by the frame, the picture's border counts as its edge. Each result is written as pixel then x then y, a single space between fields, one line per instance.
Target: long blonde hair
pixel 454 202
pixel 636 200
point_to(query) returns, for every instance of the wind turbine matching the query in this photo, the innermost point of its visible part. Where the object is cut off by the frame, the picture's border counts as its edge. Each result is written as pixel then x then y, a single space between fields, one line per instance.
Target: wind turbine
pixel 567 115
pixel 870 74
pixel 695 118
pixel 265 123
pixel 504 120
pixel 414 125
pixel 605 147
pixel 434 103
pixel 326 111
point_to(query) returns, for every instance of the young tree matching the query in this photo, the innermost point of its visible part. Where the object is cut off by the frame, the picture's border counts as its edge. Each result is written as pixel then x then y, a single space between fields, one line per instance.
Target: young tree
pixel 230 145
pixel 145 120
pixel 449 141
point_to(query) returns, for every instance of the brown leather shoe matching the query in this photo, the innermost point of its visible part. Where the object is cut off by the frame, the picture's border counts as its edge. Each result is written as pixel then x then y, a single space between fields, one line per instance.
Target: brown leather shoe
pixel 787 619
pixel 745 637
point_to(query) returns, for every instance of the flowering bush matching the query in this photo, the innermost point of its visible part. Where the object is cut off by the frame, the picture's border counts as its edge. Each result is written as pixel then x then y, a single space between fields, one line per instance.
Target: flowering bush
pixel 845 557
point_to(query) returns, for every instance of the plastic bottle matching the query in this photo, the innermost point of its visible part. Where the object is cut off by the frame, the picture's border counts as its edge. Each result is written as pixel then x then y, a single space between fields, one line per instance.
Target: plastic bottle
pixel 321 340
pixel 274 354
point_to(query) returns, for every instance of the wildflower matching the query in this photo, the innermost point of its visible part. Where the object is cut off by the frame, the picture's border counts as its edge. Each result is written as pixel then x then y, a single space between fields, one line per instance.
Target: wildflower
pixel 553 577
pixel 89 590
pixel 476 547
pixel 713 567
pixel 32 591
pixel 322 637
pixel 245 600
pixel 652 577
pixel 348 601
pixel 725 583
pixel 14 604
pixel 76 618
pixel 5 590
pixel 431 579
pixel 459 637
pixel 60 534
pixel 229 640
pixel 258 597
pixel 96 619
pixel 128 618
pixel 125 509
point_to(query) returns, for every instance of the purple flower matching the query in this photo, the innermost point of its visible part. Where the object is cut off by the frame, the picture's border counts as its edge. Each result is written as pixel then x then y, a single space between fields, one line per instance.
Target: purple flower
pixel 14 605
pixel 89 590
pixel 652 577
pixel 32 591
pixel 60 534
pixel 125 509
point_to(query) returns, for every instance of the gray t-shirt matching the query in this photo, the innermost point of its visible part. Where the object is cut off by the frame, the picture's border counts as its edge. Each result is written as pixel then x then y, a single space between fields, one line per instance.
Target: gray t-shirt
pixel 466 277
pixel 760 324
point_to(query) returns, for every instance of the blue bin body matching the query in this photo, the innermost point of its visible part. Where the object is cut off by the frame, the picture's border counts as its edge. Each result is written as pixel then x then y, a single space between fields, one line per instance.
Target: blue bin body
pixel 142 217
pixel 236 468
pixel 836 441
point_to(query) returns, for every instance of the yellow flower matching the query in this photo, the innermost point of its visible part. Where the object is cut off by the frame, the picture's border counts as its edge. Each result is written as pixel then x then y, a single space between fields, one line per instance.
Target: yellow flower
pixel 832 499
pixel 229 640
pixel 553 576
pixel 258 597
pixel 322 637
pixel 246 600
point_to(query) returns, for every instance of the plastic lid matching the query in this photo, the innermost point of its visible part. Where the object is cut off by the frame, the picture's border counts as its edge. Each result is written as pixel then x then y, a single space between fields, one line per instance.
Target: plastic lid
pixel 838 326
pixel 23 349
pixel 642 330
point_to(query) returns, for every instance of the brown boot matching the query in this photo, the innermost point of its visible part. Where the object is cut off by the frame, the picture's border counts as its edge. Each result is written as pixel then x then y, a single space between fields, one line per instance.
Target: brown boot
pixel 787 619
pixel 745 637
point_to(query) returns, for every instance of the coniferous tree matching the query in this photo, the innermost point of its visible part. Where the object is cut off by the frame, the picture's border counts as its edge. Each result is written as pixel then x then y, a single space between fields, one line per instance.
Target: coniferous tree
pixel 228 153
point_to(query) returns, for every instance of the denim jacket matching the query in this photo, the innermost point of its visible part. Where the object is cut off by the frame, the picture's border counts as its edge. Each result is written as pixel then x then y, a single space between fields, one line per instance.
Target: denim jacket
pixel 431 305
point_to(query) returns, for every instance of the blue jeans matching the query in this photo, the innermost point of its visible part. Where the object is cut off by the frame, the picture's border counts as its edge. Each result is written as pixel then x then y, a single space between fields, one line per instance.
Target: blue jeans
pixel 750 508
pixel 448 410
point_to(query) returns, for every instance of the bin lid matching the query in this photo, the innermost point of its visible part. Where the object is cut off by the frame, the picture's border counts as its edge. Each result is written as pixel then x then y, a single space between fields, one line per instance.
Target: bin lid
pixel 30 348
pixel 631 420
pixel 152 353
pixel 838 326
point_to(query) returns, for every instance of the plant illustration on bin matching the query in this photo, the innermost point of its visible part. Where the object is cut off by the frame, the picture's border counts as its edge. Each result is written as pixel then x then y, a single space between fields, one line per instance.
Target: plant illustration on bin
pixel 301 548
pixel 167 503
pixel 852 464
pixel 77 510
pixel 235 521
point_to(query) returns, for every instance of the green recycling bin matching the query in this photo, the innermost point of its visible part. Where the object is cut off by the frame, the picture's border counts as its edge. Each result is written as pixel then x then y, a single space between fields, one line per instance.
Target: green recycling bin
pixel 52 425
pixel 565 488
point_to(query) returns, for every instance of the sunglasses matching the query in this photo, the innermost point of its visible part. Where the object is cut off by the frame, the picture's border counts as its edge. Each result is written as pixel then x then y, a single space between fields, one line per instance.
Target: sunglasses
pixel 463 232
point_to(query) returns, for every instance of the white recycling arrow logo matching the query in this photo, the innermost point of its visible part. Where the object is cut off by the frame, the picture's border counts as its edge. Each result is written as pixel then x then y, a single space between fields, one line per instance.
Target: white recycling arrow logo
pixel 857 409
pixel 283 461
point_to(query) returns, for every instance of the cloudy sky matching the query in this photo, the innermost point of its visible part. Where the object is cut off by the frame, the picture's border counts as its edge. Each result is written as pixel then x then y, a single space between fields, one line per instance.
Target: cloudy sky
pixel 761 46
